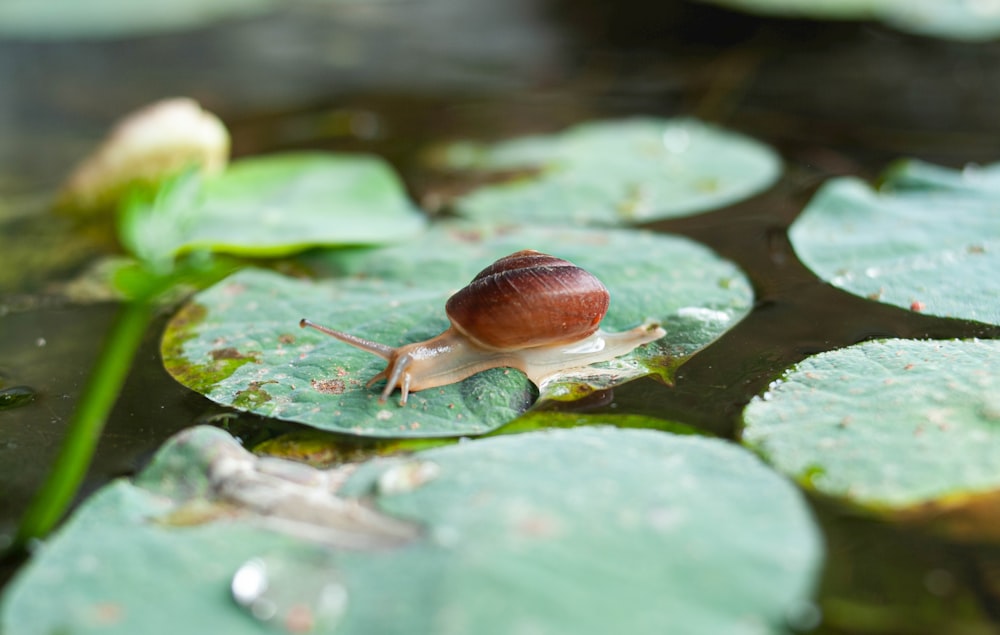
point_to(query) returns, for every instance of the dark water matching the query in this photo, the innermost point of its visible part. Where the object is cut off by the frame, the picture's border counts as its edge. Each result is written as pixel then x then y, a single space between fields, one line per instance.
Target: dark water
pixel 833 98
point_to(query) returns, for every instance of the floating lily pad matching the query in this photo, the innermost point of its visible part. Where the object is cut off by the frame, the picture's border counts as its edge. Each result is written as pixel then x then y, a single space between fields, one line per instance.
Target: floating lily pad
pixel 239 342
pixel 117 18
pixel 915 245
pixel 887 424
pixel 276 205
pixel 954 19
pixel 913 175
pixel 582 531
pixel 614 173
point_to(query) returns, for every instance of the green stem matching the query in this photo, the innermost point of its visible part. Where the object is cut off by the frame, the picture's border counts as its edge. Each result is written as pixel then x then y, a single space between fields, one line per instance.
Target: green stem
pixel 98 398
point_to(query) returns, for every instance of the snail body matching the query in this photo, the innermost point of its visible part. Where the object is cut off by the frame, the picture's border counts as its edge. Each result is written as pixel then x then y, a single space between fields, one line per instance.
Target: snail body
pixel 529 311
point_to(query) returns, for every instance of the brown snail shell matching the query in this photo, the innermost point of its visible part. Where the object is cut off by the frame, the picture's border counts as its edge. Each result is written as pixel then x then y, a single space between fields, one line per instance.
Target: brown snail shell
pixel 530 311
pixel 500 308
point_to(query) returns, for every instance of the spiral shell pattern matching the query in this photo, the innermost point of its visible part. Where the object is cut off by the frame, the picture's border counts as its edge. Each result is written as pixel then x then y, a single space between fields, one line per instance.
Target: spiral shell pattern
pixel 529 299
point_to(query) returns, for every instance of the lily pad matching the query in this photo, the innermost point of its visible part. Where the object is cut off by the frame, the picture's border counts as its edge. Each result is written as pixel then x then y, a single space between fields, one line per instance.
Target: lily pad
pixel 929 249
pixel 590 530
pixel 276 205
pixel 239 342
pixel 953 19
pixel 886 424
pixel 117 18
pixel 914 175
pixel 614 173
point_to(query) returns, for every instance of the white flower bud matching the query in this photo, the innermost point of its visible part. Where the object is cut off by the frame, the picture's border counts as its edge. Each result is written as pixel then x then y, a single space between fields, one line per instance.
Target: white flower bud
pixel 146 147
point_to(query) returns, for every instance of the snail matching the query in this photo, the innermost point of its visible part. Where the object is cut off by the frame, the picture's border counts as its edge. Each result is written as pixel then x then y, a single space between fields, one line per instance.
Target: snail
pixel 530 311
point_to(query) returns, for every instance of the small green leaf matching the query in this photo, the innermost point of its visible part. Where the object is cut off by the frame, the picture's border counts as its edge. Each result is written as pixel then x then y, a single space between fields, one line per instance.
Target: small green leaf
pixel 273 206
pixel 615 172
pixel 893 423
pixel 926 247
pixel 239 342
pixel 590 530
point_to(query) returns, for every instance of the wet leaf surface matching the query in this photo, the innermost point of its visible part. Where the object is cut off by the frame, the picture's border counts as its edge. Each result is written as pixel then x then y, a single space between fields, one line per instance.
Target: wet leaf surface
pixel 239 342
pixel 586 531
pixel 928 241
pixel 890 425
pixel 614 173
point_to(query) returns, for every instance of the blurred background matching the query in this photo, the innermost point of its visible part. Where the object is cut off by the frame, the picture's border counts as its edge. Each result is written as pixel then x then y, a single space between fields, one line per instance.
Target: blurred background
pixel 834 97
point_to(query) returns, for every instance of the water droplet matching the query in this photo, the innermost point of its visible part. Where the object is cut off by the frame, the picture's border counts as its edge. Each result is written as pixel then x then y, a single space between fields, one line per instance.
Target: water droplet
pixel 292 592
pixel 676 139
pixel 16 396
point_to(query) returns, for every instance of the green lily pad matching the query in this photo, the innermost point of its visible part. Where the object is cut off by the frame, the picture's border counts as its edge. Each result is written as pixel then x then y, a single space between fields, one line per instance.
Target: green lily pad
pixel 614 173
pixel 886 424
pixel 929 249
pixel 590 530
pixel 958 20
pixel 275 205
pixel 914 175
pixel 239 342
pixel 953 19
pixel 117 18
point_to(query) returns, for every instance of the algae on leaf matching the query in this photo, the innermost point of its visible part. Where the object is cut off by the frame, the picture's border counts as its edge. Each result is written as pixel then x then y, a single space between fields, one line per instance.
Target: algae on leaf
pixel 614 173
pixel 887 424
pixel 928 241
pixel 239 342
pixel 589 530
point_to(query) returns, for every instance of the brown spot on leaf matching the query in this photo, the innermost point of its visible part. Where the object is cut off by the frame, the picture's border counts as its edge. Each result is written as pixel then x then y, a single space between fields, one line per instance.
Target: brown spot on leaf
pixel 286 338
pixel 234 289
pixel 253 395
pixel 108 613
pixel 329 386
pixel 199 512
pixel 227 353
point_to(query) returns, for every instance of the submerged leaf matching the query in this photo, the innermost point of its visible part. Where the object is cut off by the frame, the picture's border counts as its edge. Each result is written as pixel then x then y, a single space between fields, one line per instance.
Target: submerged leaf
pixel 581 531
pixel 929 242
pixel 615 172
pixel 887 424
pixel 239 342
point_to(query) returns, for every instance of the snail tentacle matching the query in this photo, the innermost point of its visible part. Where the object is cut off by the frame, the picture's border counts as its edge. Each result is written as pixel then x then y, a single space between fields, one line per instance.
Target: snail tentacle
pixel 383 351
